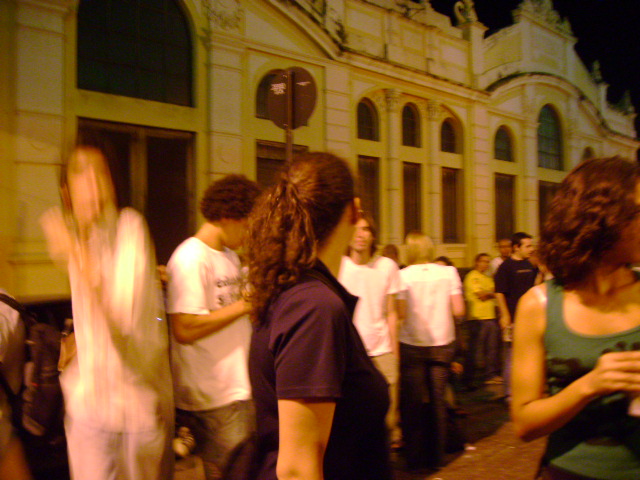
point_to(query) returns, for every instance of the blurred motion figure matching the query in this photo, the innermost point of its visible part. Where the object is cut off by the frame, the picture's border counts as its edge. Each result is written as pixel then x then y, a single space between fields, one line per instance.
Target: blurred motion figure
pixel 117 390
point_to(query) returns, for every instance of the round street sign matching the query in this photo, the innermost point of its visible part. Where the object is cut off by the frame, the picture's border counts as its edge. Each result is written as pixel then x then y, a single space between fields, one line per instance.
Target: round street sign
pixel 291 98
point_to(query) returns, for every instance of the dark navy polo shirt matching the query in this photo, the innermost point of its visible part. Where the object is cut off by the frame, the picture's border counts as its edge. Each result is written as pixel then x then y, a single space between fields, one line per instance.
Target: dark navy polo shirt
pixel 307 347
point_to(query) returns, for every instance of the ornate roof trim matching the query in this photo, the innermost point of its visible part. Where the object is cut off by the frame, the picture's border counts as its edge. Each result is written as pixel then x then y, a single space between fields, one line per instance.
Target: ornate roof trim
pixel 543 11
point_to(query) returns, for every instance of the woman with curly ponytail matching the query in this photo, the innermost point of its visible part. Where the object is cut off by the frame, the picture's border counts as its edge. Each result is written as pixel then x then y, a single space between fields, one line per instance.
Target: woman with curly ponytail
pixel 320 401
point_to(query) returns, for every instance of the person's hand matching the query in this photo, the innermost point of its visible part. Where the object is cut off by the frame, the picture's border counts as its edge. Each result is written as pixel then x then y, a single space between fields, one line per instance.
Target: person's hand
pixel 456 368
pixel 55 229
pixel 505 320
pixel 615 371
pixel 485 295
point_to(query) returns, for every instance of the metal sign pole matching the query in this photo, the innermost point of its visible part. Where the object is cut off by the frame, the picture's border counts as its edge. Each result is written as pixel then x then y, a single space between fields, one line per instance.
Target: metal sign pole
pixel 288 131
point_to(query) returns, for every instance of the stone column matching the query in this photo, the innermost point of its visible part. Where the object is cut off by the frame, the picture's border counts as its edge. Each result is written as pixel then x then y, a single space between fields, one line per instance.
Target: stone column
pixel 394 202
pixel 225 80
pixel 434 191
pixel 38 86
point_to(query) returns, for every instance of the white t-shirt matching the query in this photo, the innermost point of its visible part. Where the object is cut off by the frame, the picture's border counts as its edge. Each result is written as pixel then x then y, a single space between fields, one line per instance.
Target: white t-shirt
pixel 428 290
pixel 120 380
pixel 372 283
pixel 212 371
pixel 493 265
pixel 11 362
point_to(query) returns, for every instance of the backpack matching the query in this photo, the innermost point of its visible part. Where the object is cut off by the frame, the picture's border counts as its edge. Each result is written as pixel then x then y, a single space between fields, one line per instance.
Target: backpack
pixel 38 409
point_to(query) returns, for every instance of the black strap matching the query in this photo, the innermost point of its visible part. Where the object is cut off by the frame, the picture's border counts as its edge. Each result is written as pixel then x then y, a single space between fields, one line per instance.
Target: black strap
pixel 13 303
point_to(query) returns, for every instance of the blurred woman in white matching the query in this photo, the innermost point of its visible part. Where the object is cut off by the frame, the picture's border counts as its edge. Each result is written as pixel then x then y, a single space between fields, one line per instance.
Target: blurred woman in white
pixel 433 296
pixel 117 390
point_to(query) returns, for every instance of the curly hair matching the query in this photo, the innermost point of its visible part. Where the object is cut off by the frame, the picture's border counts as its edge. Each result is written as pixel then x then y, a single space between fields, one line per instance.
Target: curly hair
pixel 594 204
pixel 292 221
pixel 231 197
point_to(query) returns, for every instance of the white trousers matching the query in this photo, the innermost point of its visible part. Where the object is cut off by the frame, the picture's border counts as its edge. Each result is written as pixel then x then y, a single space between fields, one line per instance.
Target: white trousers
pixel 100 455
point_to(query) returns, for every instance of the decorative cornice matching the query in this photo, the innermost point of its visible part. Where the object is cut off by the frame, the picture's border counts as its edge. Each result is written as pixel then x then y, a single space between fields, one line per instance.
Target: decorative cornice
pixel 543 11
pixel 392 95
pixel 378 97
pixel 224 14
pixel 434 110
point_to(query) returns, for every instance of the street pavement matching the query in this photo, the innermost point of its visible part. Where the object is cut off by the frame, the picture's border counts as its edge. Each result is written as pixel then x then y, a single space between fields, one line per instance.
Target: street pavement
pixel 493 452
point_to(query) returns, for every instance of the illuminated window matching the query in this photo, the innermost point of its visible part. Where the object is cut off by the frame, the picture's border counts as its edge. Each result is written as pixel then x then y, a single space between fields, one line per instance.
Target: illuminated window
pixel 271 157
pixel 549 139
pixel 410 126
pixel 369 185
pixel 412 197
pixel 367 121
pixel 136 49
pixel 448 140
pixel 452 206
pixel 504 206
pixel 502 148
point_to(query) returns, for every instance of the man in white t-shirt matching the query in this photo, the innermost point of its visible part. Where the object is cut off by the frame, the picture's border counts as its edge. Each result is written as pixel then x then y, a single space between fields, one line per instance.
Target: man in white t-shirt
pixel 211 332
pixel 375 281
pixel 505 248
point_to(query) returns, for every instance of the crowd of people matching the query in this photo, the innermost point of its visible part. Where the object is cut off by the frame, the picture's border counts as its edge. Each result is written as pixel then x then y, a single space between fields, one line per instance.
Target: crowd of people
pixel 292 349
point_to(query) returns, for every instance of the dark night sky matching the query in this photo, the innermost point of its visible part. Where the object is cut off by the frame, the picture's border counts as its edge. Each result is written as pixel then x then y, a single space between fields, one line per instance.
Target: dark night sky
pixel 607 30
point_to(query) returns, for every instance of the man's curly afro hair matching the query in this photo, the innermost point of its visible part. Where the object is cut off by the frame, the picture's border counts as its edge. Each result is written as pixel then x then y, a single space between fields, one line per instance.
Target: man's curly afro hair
pixel 232 197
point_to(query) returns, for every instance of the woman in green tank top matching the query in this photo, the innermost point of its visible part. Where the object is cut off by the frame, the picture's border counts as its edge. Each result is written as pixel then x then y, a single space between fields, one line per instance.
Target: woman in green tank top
pixel 576 358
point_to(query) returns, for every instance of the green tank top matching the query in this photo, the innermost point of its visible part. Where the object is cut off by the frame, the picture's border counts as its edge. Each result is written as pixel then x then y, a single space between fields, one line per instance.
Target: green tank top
pixel 602 441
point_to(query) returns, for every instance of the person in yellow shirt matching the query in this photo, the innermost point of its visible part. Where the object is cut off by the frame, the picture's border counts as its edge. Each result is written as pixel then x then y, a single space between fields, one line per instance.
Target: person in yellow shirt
pixel 483 327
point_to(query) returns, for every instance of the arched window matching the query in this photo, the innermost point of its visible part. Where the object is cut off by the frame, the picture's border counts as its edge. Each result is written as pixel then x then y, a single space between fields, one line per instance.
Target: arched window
pixel 367 121
pixel 502 146
pixel 410 126
pixel 448 140
pixel 263 92
pixel 549 139
pixel 135 49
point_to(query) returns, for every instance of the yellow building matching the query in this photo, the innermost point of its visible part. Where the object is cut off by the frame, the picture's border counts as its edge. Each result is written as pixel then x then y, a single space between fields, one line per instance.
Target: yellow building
pixel 458 135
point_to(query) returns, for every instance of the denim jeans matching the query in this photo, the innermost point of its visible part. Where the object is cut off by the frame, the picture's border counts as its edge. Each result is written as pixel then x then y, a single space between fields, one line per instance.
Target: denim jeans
pixel 225 439
pixel 424 369
pixel 484 337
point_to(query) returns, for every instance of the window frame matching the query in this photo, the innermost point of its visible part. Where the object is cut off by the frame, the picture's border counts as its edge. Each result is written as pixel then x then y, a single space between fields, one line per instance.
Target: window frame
pixel 411 130
pixel 116 55
pixel 549 137
pixel 368 123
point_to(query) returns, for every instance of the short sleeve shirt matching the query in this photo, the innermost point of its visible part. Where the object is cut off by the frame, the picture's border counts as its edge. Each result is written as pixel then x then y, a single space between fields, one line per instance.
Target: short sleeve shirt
pixel 371 283
pixel 475 282
pixel 212 371
pixel 307 347
pixel 513 279
pixel 429 320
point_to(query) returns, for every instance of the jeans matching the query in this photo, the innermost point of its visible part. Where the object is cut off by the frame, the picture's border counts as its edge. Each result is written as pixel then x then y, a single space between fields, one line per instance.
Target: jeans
pixel 225 439
pixel 424 369
pixel 484 337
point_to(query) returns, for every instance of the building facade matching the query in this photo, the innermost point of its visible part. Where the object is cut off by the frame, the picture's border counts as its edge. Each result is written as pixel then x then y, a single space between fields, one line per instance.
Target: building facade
pixel 458 134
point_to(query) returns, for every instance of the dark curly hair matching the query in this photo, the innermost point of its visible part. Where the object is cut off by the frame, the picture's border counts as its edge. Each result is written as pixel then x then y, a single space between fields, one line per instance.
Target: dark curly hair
pixel 231 197
pixel 292 221
pixel 594 204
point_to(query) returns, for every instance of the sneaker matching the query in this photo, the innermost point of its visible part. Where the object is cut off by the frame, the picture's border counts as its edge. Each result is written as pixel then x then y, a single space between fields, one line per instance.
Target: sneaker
pixel 184 443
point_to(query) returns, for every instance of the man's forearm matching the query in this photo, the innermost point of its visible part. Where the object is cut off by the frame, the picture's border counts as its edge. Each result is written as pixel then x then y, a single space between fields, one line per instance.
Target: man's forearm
pixel 188 328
